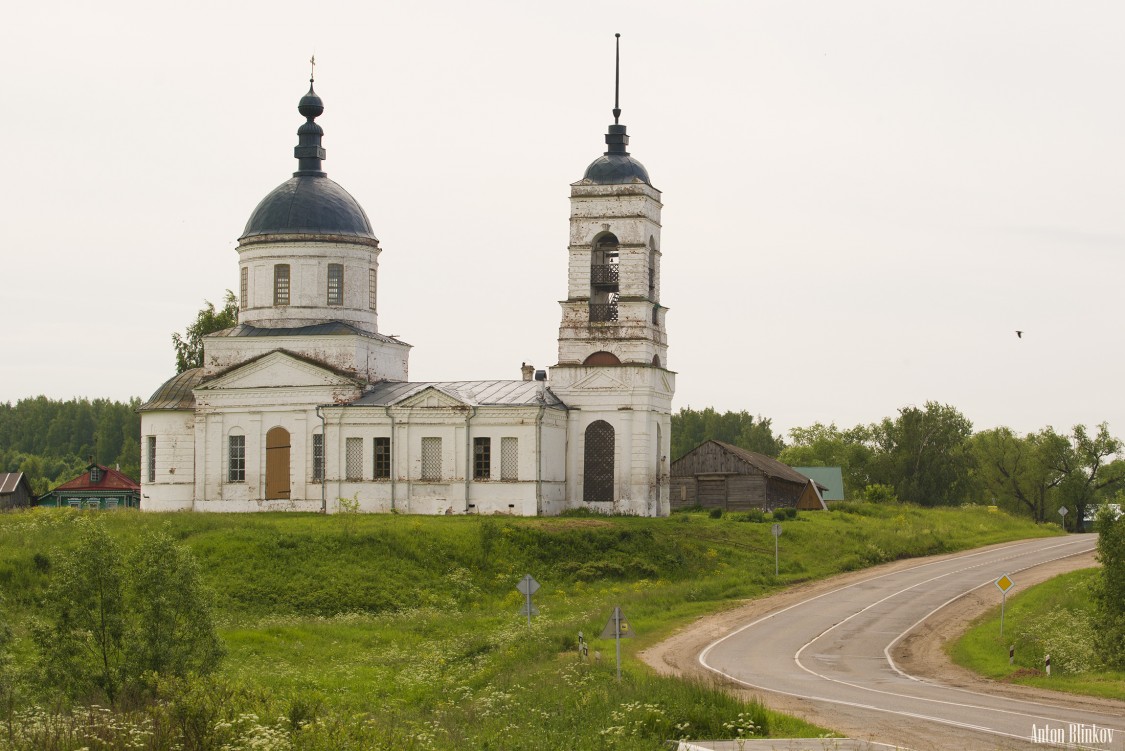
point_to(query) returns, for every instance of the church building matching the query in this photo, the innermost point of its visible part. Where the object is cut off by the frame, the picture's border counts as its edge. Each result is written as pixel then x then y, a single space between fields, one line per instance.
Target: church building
pixel 304 403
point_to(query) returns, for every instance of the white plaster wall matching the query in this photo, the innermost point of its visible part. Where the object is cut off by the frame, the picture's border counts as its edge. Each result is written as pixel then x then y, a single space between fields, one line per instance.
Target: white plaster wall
pixel 368 359
pixel 174 484
pixel 308 283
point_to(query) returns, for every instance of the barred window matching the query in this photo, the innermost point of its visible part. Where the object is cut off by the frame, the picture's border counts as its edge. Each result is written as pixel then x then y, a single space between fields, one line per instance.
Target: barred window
pixel 281 284
pixel 236 458
pixel 382 458
pixel 371 279
pixel 318 457
pixel 335 284
pixel 244 288
pixel 509 458
pixel 353 449
pixel 431 458
pixel 482 458
pixel 151 458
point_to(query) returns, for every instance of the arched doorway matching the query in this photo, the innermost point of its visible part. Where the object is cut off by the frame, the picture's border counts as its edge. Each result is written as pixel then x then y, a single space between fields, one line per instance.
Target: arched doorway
pixel 277 464
pixel 597 465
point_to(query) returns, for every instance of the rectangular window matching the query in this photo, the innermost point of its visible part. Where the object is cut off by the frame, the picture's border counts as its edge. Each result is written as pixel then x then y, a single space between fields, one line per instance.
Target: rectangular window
pixel 371 279
pixel 244 288
pixel 335 284
pixel 281 284
pixel 382 458
pixel 236 458
pixel 318 457
pixel 431 458
pixel 482 458
pixel 353 450
pixel 151 441
pixel 509 458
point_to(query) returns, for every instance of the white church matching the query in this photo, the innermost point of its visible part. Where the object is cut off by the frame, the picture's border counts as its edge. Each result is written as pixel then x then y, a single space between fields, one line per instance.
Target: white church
pixel 304 403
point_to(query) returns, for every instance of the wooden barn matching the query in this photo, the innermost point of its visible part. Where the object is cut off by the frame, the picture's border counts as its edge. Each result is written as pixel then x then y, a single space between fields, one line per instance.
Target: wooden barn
pixel 15 491
pixel 718 475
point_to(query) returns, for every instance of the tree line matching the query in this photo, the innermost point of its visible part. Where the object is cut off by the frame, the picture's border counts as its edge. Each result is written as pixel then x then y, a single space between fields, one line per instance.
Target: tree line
pixel 930 455
pixel 52 440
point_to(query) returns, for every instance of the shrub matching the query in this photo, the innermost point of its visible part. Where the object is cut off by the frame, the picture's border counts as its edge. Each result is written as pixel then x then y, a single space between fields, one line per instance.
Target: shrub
pixel 716 513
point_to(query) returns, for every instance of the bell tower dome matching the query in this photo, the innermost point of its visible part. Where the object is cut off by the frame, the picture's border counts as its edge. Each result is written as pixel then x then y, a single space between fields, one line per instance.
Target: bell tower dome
pixel 613 347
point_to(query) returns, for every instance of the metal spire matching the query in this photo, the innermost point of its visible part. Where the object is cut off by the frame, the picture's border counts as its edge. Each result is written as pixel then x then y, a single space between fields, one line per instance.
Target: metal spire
pixel 309 151
pixel 616 139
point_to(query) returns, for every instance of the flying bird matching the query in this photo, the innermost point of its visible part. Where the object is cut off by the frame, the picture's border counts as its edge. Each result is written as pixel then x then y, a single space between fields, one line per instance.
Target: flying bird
pixel 1019 334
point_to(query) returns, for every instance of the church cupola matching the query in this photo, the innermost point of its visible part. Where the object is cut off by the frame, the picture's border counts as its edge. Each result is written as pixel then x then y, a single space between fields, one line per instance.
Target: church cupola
pixel 308 255
pixel 616 166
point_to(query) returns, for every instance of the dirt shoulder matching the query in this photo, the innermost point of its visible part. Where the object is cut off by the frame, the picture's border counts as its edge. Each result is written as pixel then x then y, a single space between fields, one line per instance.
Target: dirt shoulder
pixel 920 654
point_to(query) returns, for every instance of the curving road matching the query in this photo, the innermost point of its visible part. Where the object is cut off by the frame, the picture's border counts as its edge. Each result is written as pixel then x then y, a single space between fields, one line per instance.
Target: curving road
pixel 835 648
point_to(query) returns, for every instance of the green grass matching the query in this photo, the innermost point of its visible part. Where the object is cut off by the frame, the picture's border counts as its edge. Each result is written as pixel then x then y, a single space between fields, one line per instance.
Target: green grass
pixel 1027 625
pixel 403 632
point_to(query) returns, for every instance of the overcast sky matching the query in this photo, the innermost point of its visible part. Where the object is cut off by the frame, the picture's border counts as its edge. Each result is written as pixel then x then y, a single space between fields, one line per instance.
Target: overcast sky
pixel 863 201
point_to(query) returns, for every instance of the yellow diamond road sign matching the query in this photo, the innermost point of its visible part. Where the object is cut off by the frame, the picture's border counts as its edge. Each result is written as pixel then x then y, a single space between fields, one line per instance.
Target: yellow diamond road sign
pixel 1004 583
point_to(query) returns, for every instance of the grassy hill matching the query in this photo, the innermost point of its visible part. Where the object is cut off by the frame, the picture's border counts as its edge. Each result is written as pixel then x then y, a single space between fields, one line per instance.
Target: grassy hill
pixel 404 632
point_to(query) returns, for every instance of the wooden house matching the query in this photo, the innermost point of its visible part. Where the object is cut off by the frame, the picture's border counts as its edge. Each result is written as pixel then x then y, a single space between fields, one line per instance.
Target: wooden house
pixel 97 488
pixel 15 490
pixel 719 475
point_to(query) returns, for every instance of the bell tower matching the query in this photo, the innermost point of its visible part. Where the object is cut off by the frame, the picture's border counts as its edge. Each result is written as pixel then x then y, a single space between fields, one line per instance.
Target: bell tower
pixel 613 348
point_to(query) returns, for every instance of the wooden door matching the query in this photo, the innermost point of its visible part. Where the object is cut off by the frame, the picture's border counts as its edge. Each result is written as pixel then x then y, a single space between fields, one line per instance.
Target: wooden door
pixel 277 464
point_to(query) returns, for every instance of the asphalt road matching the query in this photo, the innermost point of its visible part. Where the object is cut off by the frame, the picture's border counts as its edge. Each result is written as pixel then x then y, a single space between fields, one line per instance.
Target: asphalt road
pixel 835 648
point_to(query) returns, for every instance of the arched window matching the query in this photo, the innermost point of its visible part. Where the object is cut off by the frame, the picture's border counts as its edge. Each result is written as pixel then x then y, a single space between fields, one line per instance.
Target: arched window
pixel 602 358
pixel 604 278
pixel 656 360
pixel 598 461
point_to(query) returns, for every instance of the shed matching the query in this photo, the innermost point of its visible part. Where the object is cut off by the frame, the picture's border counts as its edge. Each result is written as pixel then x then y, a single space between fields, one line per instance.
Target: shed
pixel 15 490
pixel 829 478
pixel 98 487
pixel 719 475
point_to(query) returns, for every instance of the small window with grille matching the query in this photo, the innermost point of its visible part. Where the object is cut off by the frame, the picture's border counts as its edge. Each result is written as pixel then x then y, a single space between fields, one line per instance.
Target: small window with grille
pixel 281 284
pixel 335 284
pixel 236 458
pixel 95 475
pixel 371 286
pixel 151 446
pixel 482 458
pixel 382 458
pixel 244 288
pixel 509 458
pixel 353 450
pixel 431 458
pixel 318 457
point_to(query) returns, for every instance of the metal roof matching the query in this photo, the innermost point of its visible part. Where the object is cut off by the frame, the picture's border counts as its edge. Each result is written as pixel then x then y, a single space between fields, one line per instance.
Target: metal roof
pixel 9 481
pixel 829 478
pixel 111 479
pixel 175 393
pixel 328 328
pixel 616 169
pixel 472 393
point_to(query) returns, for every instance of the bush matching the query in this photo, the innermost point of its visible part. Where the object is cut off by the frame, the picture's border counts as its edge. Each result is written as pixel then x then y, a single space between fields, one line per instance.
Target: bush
pixel 716 513
pixel 754 515
pixel 779 514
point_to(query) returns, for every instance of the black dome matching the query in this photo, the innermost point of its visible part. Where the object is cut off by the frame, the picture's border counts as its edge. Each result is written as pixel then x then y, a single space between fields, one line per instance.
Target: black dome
pixel 308 204
pixel 616 169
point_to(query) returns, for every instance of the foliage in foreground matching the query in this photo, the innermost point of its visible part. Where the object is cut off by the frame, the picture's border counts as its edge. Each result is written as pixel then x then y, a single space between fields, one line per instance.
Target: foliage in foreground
pixel 370 632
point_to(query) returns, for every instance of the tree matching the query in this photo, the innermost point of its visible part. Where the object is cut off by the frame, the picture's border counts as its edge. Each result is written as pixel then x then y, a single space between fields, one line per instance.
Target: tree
pixel 1109 596
pixel 1021 473
pixel 924 455
pixel 173 630
pixel 110 626
pixel 691 428
pixel 189 347
pixel 1089 470
pixel 827 446
pixel 83 647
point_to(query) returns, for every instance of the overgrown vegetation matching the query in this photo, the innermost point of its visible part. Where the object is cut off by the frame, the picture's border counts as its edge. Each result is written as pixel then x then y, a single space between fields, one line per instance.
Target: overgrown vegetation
pixel 403 632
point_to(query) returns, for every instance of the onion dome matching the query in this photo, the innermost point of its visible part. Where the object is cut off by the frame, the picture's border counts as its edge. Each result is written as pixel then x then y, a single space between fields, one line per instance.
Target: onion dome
pixel 309 203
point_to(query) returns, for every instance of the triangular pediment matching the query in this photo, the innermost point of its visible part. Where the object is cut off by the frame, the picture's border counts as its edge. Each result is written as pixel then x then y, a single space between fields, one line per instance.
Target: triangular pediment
pixel 600 380
pixel 274 370
pixel 431 397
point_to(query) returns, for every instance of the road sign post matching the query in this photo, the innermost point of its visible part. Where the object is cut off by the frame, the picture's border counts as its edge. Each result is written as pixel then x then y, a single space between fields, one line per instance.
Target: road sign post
pixel 1004 583
pixel 1062 513
pixel 617 629
pixel 776 529
pixel 528 586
